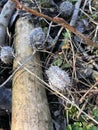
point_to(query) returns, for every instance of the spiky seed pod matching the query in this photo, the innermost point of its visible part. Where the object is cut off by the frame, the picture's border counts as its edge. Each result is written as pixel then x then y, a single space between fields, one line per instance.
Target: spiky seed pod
pixel 66 8
pixel 6 54
pixel 37 38
pixel 58 78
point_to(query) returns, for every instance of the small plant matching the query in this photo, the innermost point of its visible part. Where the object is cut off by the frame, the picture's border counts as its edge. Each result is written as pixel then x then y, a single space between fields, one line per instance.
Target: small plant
pixel 94 16
pixel 58 61
pixel 81 124
pixel 65 43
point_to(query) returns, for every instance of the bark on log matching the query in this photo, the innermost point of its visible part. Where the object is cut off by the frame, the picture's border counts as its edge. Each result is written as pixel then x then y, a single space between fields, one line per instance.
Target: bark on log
pixel 29 108
pixel 5 16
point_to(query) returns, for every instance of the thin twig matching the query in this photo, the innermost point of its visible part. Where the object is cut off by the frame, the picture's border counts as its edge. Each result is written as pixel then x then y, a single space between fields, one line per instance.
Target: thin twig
pixel 85 2
pixel 83 97
pixel 96 32
pixel 86 101
pixel 74 59
pixel 75 13
pixel 90 7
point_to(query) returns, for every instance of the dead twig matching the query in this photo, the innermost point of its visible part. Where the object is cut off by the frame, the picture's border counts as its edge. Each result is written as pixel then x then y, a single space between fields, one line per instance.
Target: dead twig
pixel 90 7
pixel 83 7
pixel 91 91
pixel 75 13
pixel 83 107
pixel 83 97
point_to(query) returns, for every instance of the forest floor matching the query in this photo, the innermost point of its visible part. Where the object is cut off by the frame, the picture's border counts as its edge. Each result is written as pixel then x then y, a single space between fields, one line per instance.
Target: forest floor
pixel 74 104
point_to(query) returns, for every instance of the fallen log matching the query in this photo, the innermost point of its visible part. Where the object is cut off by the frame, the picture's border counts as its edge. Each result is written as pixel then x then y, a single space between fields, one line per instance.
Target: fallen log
pixel 29 102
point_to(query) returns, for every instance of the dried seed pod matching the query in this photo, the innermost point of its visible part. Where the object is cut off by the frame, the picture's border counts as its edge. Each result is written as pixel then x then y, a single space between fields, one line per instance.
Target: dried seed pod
pixel 6 54
pixel 66 8
pixel 37 38
pixel 58 78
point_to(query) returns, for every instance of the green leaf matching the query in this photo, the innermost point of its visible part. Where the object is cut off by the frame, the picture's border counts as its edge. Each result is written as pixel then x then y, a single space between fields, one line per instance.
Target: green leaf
pixel 95 112
pixel 78 124
pixel 77 128
pixel 93 128
pixel 86 127
pixel 66 66
pixel 57 62
pixel 94 16
pixel 66 35
pixel 69 127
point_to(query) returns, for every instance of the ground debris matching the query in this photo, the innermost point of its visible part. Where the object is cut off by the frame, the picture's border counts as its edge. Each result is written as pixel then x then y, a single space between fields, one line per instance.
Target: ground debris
pixel 68 63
